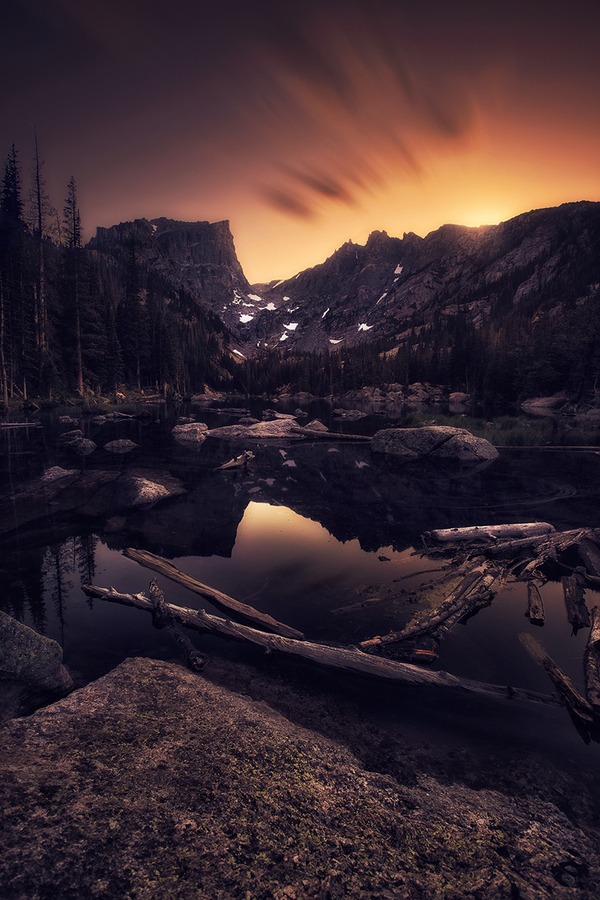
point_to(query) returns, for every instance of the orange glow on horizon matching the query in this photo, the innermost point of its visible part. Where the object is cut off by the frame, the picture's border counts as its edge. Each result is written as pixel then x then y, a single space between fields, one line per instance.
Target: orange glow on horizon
pixel 309 123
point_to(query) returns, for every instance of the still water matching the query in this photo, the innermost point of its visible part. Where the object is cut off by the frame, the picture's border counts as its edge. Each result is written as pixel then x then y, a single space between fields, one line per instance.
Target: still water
pixel 322 536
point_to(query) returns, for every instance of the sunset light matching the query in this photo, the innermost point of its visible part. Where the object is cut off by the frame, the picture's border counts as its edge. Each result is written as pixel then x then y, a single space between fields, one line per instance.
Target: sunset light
pixel 308 124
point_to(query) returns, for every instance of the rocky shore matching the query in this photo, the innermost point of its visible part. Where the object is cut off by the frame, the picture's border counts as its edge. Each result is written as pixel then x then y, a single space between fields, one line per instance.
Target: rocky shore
pixel 156 782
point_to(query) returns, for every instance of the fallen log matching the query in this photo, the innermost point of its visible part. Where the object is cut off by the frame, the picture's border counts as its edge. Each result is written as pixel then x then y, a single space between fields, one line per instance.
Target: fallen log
pixel 490 532
pixel 591 662
pixel 473 591
pixel 577 611
pixel 577 705
pixel 241 611
pixel 349 660
pixel 330 435
pixel 535 605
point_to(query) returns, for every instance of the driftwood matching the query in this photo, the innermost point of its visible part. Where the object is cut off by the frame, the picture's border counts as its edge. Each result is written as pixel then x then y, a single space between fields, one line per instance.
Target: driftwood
pixel 490 532
pixel 330 435
pixel 579 708
pixel 163 618
pixel 472 592
pixel 349 660
pixel 591 662
pixel 577 611
pixel 237 462
pixel 535 605
pixel 241 611
pixel 194 660
pixel 590 556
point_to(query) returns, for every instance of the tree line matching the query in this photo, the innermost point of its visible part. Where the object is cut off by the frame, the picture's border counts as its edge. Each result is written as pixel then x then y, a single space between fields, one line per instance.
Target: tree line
pixel 70 324
pixel 510 357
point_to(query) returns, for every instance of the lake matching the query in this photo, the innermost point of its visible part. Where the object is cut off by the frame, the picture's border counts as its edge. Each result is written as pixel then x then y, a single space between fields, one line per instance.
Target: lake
pixel 322 535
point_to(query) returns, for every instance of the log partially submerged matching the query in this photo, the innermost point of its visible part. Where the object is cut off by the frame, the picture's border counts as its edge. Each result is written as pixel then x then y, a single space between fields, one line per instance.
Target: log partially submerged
pixel 162 618
pixel 581 711
pixel 535 605
pixel 348 660
pixel 241 611
pixel 590 556
pixel 472 592
pixel 591 662
pixel 577 611
pixel 490 532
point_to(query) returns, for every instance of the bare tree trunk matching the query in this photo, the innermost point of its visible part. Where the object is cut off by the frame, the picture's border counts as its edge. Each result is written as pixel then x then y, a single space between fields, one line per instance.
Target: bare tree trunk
pixel 2 342
pixel 348 660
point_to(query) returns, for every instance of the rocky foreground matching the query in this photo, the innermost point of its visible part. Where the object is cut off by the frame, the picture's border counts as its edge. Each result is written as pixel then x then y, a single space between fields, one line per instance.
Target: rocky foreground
pixel 154 782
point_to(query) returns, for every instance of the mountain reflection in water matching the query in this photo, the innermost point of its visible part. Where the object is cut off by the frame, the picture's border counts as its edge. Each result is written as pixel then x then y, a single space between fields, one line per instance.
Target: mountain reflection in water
pixel 304 532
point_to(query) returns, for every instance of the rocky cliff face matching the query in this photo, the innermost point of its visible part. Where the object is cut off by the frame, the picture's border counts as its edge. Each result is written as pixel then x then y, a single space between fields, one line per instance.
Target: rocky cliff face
pixel 197 256
pixel 539 263
pixel 542 261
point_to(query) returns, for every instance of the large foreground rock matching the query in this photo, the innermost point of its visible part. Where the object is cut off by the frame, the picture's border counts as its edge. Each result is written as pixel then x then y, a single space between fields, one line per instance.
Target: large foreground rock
pixel 31 669
pixel 152 782
pixel 433 442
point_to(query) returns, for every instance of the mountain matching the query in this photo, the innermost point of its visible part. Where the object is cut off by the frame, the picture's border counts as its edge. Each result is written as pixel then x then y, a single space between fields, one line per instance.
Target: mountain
pixel 388 289
pixel 542 261
pixel 196 256
pixel 505 311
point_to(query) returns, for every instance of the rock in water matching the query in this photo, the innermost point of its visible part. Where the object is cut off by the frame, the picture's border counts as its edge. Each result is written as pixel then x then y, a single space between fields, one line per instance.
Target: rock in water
pixel 433 442
pixel 122 446
pixel 190 434
pixel 31 669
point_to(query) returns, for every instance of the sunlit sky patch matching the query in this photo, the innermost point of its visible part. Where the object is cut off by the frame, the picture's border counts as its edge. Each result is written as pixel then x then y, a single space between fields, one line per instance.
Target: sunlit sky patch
pixel 308 123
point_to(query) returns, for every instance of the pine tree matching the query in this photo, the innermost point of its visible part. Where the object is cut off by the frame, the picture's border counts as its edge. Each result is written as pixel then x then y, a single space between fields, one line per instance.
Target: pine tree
pixel 12 230
pixel 72 238
pixel 42 221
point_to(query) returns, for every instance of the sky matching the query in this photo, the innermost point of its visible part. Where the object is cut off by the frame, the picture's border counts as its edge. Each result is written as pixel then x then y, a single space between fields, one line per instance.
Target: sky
pixel 305 123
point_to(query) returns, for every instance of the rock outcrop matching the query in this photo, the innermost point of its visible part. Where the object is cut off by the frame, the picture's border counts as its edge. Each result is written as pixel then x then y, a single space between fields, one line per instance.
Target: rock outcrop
pixel 435 442
pixel 153 782
pixel 31 669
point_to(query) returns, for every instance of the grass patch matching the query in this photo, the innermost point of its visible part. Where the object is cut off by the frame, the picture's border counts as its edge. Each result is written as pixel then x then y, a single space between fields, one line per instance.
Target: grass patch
pixel 513 431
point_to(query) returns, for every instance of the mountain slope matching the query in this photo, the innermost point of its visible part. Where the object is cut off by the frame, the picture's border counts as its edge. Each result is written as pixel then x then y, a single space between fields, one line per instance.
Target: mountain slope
pixel 546 259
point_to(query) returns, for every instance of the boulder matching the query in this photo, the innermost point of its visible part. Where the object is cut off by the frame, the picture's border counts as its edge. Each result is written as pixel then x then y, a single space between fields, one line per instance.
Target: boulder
pixel 433 442
pixel 153 782
pixel 545 406
pixel 31 669
pixel 55 473
pixel 316 425
pixel 191 434
pixel 263 431
pixel 459 397
pixel 139 493
pixel 121 447
pixel 81 445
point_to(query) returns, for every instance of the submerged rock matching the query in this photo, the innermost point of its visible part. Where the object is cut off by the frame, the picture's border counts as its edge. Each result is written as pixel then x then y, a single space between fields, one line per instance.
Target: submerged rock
pixel 433 442
pixel 31 669
pixel 351 415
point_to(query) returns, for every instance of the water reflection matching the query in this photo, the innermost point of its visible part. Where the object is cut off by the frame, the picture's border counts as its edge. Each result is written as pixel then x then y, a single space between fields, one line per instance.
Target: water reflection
pixel 306 533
